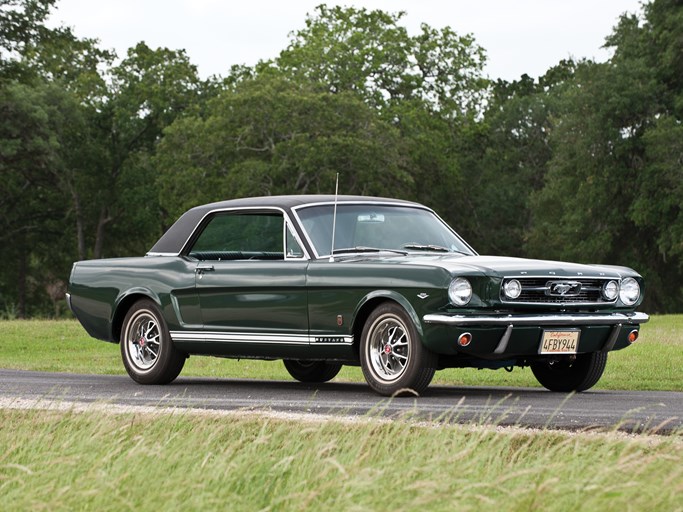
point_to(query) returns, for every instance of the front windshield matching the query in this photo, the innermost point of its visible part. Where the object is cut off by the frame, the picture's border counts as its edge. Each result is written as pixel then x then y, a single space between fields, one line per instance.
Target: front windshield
pixel 376 226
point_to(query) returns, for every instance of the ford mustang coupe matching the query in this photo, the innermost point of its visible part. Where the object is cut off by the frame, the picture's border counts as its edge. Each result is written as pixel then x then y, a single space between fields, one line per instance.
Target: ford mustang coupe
pixel 324 281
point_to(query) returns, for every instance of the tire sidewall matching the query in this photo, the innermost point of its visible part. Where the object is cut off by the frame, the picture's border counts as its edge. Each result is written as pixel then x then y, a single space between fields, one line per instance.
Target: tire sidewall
pixel 411 379
pixel 581 375
pixel 312 371
pixel 163 370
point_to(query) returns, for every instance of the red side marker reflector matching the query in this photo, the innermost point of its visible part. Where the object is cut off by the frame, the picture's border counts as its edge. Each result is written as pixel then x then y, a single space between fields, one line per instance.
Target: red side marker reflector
pixel 464 339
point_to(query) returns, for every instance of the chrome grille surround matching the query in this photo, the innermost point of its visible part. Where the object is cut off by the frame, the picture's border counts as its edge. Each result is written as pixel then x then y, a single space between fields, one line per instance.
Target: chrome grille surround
pixel 575 291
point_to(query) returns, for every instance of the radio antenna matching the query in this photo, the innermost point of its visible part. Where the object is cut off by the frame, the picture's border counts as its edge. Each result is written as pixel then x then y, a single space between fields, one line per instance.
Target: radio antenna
pixel 334 217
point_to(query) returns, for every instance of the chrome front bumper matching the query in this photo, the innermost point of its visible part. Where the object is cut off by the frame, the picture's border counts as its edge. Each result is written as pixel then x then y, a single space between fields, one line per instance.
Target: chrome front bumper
pixel 569 319
pixel 616 320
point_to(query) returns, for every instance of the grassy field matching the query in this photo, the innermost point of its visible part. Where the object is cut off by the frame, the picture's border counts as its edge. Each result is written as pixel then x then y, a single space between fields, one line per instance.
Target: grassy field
pixel 84 461
pixel 654 362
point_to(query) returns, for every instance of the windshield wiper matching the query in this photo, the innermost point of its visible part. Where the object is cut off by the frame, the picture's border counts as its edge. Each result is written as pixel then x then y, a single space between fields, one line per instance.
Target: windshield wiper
pixel 426 247
pixel 362 248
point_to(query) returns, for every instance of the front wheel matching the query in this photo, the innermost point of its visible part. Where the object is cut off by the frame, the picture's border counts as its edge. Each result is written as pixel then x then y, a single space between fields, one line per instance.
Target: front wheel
pixel 566 375
pixel 146 347
pixel 392 356
pixel 312 371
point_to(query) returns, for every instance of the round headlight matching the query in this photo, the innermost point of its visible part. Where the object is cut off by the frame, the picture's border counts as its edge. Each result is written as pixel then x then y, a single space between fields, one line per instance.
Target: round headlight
pixel 460 291
pixel 629 293
pixel 610 290
pixel 512 289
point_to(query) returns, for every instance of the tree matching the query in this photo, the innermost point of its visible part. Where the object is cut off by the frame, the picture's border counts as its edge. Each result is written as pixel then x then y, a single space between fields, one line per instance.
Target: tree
pixel 106 173
pixel 429 86
pixel 505 159
pixel 149 89
pixel 31 207
pixel 612 192
pixel 76 137
pixel 21 24
pixel 270 135
pixel 369 53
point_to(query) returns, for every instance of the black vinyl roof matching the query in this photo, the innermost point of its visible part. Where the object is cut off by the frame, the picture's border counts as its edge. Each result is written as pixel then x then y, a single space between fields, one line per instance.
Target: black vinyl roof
pixel 177 235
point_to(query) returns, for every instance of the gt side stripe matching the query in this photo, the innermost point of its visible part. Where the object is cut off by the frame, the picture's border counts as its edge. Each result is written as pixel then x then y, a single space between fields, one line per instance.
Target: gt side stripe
pixel 245 337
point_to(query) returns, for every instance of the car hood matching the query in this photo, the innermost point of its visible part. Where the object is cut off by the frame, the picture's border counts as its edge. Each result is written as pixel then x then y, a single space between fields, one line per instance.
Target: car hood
pixel 500 265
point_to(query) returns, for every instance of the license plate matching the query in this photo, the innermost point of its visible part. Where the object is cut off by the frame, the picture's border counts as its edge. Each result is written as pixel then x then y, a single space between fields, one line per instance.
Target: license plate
pixel 559 342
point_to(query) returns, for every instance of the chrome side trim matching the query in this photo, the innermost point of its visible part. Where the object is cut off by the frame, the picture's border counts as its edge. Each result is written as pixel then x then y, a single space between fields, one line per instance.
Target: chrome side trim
pixel 162 254
pixel 261 338
pixel 68 302
pixel 540 320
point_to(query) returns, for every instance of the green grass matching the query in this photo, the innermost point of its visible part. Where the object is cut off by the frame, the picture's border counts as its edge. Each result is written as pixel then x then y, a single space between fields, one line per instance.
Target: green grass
pixel 654 362
pixel 85 461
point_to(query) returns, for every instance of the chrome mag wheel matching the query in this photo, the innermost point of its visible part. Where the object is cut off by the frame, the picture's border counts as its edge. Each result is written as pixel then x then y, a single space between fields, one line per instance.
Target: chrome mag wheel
pixel 144 340
pixel 389 348
pixel 147 350
pixel 392 356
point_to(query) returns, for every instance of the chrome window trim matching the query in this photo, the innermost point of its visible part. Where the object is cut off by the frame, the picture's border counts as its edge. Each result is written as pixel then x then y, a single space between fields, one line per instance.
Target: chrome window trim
pixel 285 216
pixel 288 227
pixel 557 278
pixel 295 212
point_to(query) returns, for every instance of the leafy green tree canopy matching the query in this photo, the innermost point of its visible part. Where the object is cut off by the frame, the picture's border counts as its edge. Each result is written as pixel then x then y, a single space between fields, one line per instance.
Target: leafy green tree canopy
pixel 270 135
pixel 370 53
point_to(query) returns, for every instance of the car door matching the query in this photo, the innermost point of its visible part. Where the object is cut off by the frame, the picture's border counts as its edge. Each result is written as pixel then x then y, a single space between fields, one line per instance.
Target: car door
pixel 250 280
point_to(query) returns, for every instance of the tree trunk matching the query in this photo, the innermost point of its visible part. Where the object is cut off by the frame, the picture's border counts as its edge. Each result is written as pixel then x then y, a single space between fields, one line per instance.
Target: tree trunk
pixel 80 232
pixel 21 283
pixel 99 236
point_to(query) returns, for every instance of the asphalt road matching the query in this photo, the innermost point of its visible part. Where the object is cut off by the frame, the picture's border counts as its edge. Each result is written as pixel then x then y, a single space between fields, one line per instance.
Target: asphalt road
pixel 638 411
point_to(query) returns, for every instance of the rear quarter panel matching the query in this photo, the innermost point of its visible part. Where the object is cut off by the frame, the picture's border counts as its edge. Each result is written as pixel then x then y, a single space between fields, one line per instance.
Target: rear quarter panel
pixel 102 291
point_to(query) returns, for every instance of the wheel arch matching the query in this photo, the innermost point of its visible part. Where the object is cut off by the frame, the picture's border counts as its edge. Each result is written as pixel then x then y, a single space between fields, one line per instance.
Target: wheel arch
pixel 124 304
pixel 370 302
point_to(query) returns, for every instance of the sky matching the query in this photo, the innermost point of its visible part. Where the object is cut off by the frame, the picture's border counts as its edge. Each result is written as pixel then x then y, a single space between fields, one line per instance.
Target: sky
pixel 519 36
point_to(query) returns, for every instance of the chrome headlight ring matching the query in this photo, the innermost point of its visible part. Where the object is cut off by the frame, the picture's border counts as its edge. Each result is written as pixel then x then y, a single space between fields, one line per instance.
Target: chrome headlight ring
pixel 629 291
pixel 610 290
pixel 460 291
pixel 512 289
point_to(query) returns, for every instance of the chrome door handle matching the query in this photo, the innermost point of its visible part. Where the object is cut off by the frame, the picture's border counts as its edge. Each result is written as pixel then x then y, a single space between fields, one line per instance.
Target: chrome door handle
pixel 200 269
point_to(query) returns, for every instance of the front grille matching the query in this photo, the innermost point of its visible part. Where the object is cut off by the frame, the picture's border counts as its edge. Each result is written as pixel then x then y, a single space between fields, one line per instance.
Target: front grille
pixel 544 290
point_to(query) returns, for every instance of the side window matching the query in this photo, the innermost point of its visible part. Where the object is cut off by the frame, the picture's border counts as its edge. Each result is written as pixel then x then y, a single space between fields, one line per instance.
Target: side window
pixel 241 236
pixel 293 249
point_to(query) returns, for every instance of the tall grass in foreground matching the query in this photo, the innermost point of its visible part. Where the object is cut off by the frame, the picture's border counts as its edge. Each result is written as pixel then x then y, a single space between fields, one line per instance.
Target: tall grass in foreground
pixel 87 461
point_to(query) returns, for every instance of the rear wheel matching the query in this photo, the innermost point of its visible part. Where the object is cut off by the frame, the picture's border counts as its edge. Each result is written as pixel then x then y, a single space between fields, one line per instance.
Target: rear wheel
pixel 312 371
pixel 146 347
pixel 392 356
pixel 566 375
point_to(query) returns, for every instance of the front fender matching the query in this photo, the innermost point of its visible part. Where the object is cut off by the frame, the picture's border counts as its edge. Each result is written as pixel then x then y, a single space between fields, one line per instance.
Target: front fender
pixel 389 295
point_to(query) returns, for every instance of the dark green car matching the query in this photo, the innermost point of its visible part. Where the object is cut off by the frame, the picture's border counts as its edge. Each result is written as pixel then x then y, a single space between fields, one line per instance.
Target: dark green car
pixel 321 282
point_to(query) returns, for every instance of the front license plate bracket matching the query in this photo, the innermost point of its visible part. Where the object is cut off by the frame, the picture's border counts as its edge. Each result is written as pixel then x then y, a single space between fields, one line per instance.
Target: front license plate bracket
pixel 564 341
